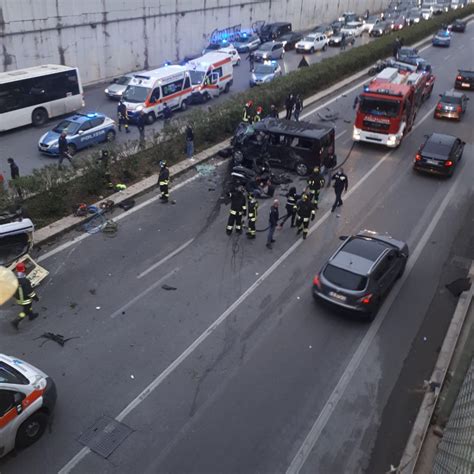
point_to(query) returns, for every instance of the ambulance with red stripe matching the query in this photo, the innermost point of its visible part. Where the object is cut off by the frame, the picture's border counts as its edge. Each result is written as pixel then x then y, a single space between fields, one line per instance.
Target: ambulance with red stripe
pixel 27 399
pixel 210 74
pixel 149 91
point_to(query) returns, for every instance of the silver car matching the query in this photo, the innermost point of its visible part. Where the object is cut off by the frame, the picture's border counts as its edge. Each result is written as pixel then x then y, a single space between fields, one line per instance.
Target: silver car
pixel 269 50
pixel 118 86
pixel 246 42
pixel 264 73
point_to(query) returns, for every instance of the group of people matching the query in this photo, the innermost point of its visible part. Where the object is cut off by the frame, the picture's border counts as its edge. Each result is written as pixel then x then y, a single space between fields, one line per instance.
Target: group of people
pixel 293 108
pixel 300 208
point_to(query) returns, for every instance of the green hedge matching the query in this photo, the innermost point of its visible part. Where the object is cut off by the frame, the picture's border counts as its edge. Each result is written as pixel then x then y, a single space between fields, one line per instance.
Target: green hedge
pixel 49 194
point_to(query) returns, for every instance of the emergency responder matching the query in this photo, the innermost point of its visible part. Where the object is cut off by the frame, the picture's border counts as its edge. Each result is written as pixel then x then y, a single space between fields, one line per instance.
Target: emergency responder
pixel 63 149
pixel 258 115
pixel 289 105
pixel 167 113
pixel 164 181
pixel 24 295
pixel 237 210
pixel 15 174
pixel 141 126
pixel 290 206
pixel 273 112
pixel 247 115
pixel 315 183
pixel 303 212
pixel 341 183
pixel 122 114
pixel 252 215
pixel 272 223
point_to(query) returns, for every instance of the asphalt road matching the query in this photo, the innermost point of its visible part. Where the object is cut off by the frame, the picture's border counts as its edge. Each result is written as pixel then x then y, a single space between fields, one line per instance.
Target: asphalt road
pixel 238 370
pixel 22 143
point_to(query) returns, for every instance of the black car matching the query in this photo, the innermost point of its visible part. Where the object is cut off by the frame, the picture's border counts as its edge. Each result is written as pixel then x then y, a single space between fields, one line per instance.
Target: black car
pixel 273 31
pixel 406 52
pixel 338 38
pixel 361 272
pixel 323 29
pixel 383 28
pixel 451 104
pixel 337 26
pixel 290 39
pixel 458 26
pixel 464 80
pixel 296 146
pixel 439 154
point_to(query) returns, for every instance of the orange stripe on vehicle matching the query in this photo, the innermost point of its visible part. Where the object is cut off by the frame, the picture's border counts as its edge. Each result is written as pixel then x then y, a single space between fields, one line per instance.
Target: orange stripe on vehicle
pixel 168 97
pixel 9 416
pixel 27 401
pixel 221 63
pixel 223 78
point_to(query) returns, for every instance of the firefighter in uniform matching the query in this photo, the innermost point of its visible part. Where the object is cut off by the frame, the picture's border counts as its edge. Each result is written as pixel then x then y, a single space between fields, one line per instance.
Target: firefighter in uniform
pixel 164 181
pixel 247 115
pixel 123 118
pixel 252 215
pixel 237 210
pixel 315 183
pixel 25 294
pixel 303 211
pixel 258 115
pixel 291 200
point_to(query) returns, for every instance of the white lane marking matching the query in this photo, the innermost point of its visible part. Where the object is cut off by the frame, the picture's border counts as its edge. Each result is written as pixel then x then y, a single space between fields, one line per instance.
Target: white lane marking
pixel 339 135
pixel 165 259
pixel 125 214
pixel 192 347
pixel 144 293
pixel 316 430
pixel 447 57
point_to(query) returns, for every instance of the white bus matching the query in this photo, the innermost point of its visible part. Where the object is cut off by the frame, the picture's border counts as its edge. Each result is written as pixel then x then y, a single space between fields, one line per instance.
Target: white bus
pixel 36 94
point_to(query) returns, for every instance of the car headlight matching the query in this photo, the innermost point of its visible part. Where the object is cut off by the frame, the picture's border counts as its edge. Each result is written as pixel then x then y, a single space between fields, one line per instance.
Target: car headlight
pixel 106 91
pixel 139 108
pixel 391 140
pixel 356 134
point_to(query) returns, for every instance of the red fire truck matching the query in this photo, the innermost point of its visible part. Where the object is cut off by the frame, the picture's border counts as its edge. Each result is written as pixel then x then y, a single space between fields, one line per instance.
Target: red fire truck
pixel 387 108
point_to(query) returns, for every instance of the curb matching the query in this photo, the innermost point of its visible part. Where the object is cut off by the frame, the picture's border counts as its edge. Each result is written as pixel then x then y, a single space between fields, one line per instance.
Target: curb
pixel 420 427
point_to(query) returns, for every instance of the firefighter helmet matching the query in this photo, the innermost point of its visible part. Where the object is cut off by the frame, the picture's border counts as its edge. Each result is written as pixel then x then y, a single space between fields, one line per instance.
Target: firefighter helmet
pixel 20 267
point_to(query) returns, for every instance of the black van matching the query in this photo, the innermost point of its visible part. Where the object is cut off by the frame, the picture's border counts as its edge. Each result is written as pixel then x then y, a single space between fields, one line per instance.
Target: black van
pixel 273 31
pixel 296 146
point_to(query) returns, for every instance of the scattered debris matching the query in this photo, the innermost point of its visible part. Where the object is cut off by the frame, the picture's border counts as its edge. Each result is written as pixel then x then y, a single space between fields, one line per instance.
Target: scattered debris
pixel 132 376
pixel 92 291
pixel 72 305
pixel 127 204
pixel 97 307
pixel 168 288
pixel 59 338
pixel 456 287
pixel 330 117
pixel 205 170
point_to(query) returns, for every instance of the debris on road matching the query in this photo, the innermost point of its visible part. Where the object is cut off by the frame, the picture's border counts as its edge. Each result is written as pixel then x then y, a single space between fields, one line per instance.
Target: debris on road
pixel 97 307
pixel 205 170
pixel 456 287
pixel 59 338
pixel 127 204
pixel 92 291
pixel 168 288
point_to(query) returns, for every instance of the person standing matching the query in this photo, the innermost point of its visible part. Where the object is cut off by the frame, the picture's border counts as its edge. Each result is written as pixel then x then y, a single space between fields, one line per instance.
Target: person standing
pixel 166 114
pixel 164 181
pixel 258 114
pixel 251 59
pixel 289 104
pixel 303 211
pixel 123 118
pixel 189 141
pixel 63 149
pixel 237 210
pixel 315 183
pixel 141 127
pixel 273 223
pixel 252 215
pixel 273 112
pixel 396 47
pixel 247 115
pixel 24 295
pixel 343 41
pixel 290 206
pixel 298 107
pixel 341 184
pixel 14 175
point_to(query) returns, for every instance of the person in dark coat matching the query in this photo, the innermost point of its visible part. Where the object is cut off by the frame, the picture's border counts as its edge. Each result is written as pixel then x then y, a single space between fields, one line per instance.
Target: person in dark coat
pixel 273 112
pixel 189 141
pixel 14 175
pixel 298 107
pixel 63 149
pixel 289 105
pixel 25 295
pixel 273 223
pixel 164 181
pixel 167 113
pixel 303 212
pixel 238 208
pixel 290 206
pixel 341 184
pixel 141 126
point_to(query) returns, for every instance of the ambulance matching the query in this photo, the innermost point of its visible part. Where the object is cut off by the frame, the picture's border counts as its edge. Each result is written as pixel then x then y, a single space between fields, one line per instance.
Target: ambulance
pixel 27 399
pixel 149 91
pixel 210 74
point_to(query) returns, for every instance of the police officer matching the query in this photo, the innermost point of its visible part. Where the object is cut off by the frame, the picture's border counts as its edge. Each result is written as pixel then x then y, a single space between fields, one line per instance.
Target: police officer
pixel 303 211
pixel 123 118
pixel 290 206
pixel 164 181
pixel 237 210
pixel 252 215
pixel 341 183
pixel 24 296
pixel 63 149
pixel 315 183
pixel 258 115
pixel 247 115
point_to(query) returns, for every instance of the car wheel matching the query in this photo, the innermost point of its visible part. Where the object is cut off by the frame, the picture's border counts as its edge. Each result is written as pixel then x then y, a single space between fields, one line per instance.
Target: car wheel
pixel 150 118
pixel 39 117
pixel 31 430
pixel 238 157
pixel 184 105
pixel 325 47
pixel 227 88
pixel 110 136
pixel 311 50
pixel 206 97
pixel 301 169
pixel 238 62
pixel 71 149
pixel 402 269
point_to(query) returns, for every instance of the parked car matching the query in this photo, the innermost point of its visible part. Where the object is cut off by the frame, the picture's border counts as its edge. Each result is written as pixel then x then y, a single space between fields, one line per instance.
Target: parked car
pixel 459 26
pixel 426 13
pixel 323 29
pixel 451 104
pixel 399 23
pixel 270 50
pixel 118 86
pixel 354 28
pixel 439 154
pixel 246 42
pixel 273 31
pixel 265 72
pixel 290 39
pixel 311 43
pixel 361 272
pixel 336 40
pixel 406 53
pixel 370 23
pixel 337 26
pixel 233 53
pixel 215 45
pixel 83 130
pixel 383 28
pixel 348 17
pixel 464 80
pixel 442 38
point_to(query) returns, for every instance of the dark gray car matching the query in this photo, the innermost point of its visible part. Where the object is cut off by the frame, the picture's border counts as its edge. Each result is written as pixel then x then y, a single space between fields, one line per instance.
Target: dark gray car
pixel 361 272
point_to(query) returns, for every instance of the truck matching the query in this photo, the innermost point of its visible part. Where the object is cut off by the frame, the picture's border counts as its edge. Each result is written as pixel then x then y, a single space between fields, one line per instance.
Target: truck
pixel 387 107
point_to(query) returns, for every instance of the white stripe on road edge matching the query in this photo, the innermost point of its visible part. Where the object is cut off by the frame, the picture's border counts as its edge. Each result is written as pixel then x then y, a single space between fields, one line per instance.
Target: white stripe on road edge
pixel 339 135
pixel 191 348
pixel 336 395
pixel 447 57
pixel 164 260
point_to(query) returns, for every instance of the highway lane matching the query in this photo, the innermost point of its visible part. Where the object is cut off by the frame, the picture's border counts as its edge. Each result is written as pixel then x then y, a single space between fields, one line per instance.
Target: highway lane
pixel 245 398
pixel 22 143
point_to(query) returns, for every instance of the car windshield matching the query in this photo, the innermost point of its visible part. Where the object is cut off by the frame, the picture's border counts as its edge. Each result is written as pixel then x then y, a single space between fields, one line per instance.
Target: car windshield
pixel 308 38
pixel 437 148
pixel 123 81
pixel 10 375
pixel 345 279
pixel 372 19
pixel 447 99
pixel 263 69
pixel 213 46
pixel 243 39
pixel 443 33
pixel 196 77
pixel 266 47
pixel 383 107
pixel 68 126
pixel 136 94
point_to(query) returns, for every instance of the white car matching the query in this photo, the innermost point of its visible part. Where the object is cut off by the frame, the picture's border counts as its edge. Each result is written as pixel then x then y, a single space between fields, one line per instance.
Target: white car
pixel 354 28
pixel 311 43
pixel 233 53
pixel 370 23
pixel 426 13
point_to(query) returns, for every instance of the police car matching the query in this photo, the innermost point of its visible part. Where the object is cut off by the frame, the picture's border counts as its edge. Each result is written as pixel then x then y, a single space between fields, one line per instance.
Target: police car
pixel 265 72
pixel 83 130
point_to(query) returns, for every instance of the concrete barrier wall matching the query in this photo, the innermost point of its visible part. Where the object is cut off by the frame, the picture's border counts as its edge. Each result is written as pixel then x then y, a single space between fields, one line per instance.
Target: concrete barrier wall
pixel 107 37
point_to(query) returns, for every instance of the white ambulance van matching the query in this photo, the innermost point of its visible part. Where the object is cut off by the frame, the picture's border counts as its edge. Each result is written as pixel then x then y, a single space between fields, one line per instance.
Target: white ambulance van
pixel 27 399
pixel 149 91
pixel 210 74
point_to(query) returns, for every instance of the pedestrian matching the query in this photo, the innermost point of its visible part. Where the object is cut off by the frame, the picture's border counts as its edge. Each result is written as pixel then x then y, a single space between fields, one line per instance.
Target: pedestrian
pixel 189 141
pixel 167 113
pixel 273 223
pixel 141 127
pixel 298 107
pixel 252 215
pixel 24 295
pixel 273 112
pixel 303 212
pixel 122 114
pixel 315 183
pixel 14 176
pixel 341 183
pixel 343 41
pixel 63 149
pixel 247 115
pixel 164 181
pixel 258 115
pixel 290 206
pixel 251 60
pixel 396 47
pixel 237 210
pixel 289 104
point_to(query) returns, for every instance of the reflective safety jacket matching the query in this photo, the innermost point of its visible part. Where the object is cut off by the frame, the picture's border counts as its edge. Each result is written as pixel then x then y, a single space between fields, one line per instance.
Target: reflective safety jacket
pixel 237 202
pixel 315 181
pixel 253 209
pixel 164 177
pixel 246 114
pixel 304 208
pixel 24 294
pixel 122 111
pixel 291 201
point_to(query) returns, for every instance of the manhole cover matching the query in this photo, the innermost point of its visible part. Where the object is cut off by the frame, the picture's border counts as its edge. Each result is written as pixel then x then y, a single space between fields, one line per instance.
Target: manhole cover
pixel 105 436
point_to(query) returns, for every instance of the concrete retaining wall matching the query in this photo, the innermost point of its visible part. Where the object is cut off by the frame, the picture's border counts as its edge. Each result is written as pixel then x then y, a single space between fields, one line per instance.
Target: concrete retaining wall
pixel 107 37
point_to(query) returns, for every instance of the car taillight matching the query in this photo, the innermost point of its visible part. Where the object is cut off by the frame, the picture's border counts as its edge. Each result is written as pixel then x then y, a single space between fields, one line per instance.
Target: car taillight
pixel 448 163
pixel 439 107
pixel 367 299
pixel 458 109
pixel 459 78
pixel 418 157
pixel 316 281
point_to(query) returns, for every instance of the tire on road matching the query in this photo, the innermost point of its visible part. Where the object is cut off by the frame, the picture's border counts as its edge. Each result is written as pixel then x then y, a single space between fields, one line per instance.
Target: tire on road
pixel 39 117
pixel 227 88
pixel 301 169
pixel 150 118
pixel 110 136
pixel 31 430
